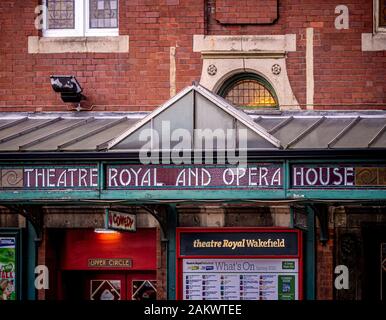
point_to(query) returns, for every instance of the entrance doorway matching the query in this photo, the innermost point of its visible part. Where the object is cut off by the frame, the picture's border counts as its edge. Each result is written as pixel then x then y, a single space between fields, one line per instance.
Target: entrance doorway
pixel 108 266
pixel 86 285
pixel 374 244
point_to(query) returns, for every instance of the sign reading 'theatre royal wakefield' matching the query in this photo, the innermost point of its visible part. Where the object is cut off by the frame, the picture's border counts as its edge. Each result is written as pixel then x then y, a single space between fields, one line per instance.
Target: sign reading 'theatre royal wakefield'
pixel 243 243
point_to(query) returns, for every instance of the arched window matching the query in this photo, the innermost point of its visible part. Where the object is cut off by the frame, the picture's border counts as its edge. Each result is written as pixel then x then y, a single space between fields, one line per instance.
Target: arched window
pixel 249 90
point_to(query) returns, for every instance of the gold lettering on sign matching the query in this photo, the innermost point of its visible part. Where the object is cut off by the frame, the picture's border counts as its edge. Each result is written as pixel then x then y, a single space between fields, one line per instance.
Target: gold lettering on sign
pixel 12 178
pixel 110 263
pixel 243 243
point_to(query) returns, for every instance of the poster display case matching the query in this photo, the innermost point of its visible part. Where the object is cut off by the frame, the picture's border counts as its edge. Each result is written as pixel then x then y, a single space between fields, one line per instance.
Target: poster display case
pixel 239 264
pixel 9 264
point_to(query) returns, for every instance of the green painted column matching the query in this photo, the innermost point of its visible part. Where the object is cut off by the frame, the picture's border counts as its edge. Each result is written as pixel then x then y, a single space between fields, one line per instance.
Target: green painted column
pixel 31 254
pixel 172 224
pixel 309 256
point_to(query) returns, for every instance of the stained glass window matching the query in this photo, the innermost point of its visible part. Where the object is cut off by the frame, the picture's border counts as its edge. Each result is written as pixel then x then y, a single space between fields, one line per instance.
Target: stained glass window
pixel 61 14
pixel 248 91
pixel 382 13
pixel 103 13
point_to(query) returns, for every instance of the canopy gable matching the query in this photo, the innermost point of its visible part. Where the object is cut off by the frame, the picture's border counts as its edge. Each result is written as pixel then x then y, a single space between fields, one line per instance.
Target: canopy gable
pixel 197 111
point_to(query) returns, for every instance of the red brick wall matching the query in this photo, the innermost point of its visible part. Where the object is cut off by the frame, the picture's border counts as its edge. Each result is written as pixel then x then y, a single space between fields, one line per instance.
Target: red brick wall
pixel 138 80
pixel 325 268
pixel 246 11
pixel 345 77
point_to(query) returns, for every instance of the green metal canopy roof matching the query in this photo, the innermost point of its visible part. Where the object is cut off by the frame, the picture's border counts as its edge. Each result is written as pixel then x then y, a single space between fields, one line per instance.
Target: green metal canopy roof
pixel 193 108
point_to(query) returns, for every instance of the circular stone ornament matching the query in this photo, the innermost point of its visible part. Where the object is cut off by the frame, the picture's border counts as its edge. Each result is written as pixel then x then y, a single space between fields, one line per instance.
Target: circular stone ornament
pixel 212 70
pixel 276 69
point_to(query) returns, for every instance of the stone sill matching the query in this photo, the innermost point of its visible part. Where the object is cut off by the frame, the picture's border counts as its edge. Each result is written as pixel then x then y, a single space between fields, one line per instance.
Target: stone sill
pixel 374 42
pixel 243 54
pixel 245 43
pixel 111 44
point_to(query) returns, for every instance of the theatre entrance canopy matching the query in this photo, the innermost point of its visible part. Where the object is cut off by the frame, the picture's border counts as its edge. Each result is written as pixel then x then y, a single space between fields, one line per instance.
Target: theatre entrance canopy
pixel 196 146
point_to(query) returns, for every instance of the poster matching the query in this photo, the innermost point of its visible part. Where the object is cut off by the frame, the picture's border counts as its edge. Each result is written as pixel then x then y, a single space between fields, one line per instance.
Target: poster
pixel 105 290
pixel 7 268
pixel 240 279
pixel 144 290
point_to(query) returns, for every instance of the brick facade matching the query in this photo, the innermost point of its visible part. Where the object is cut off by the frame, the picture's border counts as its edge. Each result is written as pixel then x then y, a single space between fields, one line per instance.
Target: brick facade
pixel 246 12
pixel 325 267
pixel 345 77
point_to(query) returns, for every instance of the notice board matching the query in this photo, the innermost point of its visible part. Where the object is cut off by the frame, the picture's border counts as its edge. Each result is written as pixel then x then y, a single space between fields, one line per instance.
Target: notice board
pixel 239 264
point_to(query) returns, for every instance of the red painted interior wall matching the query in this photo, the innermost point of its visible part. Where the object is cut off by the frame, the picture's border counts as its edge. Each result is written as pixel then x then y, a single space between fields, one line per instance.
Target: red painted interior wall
pixel 79 245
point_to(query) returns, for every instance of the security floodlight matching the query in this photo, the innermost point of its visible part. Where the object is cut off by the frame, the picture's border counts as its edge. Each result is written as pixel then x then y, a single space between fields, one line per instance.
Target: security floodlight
pixel 68 87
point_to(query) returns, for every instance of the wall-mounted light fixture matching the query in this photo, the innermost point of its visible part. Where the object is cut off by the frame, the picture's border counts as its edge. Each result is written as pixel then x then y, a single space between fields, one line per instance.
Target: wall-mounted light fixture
pixel 105 231
pixel 69 89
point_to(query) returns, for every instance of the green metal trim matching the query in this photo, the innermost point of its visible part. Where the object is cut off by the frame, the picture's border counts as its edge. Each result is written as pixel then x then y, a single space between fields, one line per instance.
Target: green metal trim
pixel 106 219
pixel 286 177
pixel 201 194
pixel 309 247
pixel 328 194
pixel 230 82
pixel 171 261
pixel 101 175
pixel 31 261
pixel 309 256
pixel 49 195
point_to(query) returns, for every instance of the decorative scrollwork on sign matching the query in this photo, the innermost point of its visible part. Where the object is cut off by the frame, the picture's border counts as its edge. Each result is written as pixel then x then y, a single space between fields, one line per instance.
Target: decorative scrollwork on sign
pixel 382 176
pixel 366 176
pixel 12 178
